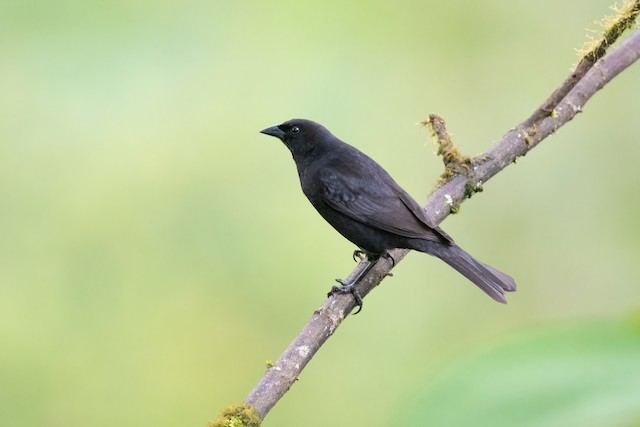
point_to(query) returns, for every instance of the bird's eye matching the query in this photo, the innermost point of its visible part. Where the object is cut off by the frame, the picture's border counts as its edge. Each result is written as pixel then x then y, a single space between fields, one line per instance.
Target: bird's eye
pixel 295 129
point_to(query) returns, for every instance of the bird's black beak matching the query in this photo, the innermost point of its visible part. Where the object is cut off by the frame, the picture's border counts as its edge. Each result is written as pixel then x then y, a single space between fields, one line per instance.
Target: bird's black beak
pixel 274 131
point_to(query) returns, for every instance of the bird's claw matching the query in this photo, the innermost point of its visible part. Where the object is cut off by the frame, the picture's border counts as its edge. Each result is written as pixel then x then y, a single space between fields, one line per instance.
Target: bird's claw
pixel 347 288
pixel 359 255
pixel 387 255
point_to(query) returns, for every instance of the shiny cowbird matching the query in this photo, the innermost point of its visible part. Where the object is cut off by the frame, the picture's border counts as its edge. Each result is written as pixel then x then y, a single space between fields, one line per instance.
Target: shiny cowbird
pixel 362 202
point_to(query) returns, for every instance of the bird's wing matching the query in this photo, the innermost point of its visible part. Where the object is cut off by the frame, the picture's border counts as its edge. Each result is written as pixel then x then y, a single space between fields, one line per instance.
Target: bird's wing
pixel 417 210
pixel 379 202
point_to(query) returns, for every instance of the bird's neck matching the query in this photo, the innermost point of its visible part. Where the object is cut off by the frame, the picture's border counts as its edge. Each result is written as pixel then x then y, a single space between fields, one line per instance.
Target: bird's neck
pixel 318 156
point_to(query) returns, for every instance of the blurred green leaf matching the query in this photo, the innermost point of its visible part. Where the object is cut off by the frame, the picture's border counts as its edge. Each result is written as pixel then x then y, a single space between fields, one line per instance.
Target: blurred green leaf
pixel 587 375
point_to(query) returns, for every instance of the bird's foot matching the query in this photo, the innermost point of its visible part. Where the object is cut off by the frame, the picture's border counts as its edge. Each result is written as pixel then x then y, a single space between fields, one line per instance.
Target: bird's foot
pixel 359 255
pixel 347 288
pixel 388 256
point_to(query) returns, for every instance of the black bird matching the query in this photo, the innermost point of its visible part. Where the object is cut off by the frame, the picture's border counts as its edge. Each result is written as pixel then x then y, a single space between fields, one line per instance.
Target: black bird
pixel 364 204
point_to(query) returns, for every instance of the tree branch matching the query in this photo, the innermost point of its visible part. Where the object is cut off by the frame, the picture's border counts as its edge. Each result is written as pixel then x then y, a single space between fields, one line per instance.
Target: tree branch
pixel 614 27
pixel 560 108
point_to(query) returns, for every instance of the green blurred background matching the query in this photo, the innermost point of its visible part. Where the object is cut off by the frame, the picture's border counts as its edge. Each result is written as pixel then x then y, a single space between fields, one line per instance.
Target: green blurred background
pixel 155 249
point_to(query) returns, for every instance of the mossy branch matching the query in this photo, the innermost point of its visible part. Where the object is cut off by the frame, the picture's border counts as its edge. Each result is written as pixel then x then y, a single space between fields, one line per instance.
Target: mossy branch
pixel 237 415
pixel 613 27
pixel 593 72
pixel 455 163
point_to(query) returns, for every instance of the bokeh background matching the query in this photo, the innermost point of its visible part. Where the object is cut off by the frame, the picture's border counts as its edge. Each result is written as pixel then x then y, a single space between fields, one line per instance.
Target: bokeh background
pixel 156 250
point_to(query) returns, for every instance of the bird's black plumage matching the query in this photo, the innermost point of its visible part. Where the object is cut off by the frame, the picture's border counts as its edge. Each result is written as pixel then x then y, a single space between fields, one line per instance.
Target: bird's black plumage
pixel 362 202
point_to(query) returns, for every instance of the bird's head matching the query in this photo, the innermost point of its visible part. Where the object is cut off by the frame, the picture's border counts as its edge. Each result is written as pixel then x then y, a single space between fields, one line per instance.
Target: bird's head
pixel 299 135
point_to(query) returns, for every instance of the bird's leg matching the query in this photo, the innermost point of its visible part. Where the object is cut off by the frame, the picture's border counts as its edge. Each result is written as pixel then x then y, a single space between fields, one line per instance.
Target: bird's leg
pixel 349 287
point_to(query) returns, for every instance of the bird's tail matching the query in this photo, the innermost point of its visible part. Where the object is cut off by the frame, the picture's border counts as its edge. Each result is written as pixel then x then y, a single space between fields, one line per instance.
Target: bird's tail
pixel 493 282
